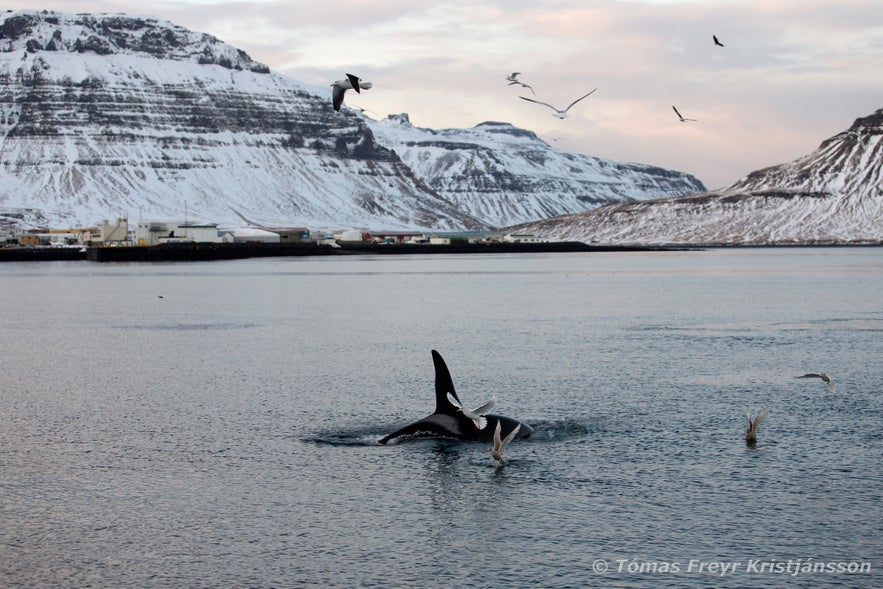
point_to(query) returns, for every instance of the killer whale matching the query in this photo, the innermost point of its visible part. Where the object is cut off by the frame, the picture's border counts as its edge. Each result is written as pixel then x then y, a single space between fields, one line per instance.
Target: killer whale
pixel 448 422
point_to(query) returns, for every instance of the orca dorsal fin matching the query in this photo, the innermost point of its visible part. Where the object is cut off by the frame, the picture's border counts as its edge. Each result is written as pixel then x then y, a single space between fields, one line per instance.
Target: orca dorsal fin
pixel 443 386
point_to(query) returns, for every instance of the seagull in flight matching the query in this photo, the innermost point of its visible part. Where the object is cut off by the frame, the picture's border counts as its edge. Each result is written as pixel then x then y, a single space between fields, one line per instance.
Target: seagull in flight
pixel 716 42
pixel 500 445
pixel 560 113
pixel 513 79
pixel 339 88
pixel 683 120
pixel 476 415
pixel 751 432
pixel 825 378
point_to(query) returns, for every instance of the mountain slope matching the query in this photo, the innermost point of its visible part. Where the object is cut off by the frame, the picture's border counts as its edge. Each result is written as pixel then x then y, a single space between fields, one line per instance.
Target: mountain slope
pixel 507 175
pixel 110 115
pixel 833 195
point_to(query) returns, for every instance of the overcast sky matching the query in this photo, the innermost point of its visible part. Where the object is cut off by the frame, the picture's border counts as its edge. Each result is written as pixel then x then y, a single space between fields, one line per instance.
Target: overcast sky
pixel 792 72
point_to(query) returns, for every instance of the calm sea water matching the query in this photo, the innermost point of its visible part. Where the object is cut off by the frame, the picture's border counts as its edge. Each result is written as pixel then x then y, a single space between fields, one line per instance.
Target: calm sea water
pixel 216 424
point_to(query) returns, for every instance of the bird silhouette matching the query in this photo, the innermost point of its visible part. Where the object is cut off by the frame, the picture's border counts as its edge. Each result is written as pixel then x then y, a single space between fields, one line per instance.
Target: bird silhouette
pixel 560 113
pixel 683 120
pixel 716 42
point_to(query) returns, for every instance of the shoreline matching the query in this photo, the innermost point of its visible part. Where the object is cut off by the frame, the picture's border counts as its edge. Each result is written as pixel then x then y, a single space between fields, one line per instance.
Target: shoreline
pixel 185 252
pixel 188 252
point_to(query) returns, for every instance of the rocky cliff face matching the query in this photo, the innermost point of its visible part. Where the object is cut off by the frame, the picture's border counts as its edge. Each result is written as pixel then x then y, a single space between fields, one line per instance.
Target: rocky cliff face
pixel 112 115
pixel 833 195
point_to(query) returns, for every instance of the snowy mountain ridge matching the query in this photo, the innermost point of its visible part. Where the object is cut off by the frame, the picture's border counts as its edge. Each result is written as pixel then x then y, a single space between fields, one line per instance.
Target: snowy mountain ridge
pixel 105 115
pixel 832 195
pixel 501 173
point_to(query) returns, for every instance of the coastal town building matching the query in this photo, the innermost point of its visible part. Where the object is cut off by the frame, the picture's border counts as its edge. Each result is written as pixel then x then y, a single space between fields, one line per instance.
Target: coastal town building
pixel 158 232
pixel 249 235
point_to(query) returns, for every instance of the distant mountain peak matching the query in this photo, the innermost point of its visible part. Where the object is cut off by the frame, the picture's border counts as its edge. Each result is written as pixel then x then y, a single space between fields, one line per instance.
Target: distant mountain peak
pixel 401 119
pixel 832 195
pixel 35 31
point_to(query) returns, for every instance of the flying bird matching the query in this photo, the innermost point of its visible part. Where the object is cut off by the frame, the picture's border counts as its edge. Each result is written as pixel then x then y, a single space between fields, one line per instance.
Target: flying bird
pixel 751 432
pixel 683 120
pixel 500 445
pixel 716 42
pixel 561 114
pixel 476 415
pixel 513 79
pixel 339 88
pixel 825 378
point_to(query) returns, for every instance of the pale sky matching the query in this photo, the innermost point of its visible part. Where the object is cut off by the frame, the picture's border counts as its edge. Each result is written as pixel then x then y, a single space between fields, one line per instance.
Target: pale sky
pixel 792 72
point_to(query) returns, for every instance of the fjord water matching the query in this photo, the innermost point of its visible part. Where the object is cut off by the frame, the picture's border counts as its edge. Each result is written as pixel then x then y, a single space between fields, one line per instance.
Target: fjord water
pixel 216 424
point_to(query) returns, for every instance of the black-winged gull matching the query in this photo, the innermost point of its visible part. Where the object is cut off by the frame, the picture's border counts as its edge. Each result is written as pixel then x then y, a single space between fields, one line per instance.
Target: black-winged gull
pixel 339 88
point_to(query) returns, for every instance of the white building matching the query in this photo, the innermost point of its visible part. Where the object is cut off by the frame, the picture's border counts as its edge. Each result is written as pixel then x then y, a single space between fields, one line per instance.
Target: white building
pixel 249 235
pixel 522 238
pixel 157 232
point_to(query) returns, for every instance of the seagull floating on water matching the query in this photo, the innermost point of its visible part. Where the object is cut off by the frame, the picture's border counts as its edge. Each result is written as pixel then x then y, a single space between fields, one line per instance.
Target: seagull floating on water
pixel 513 79
pixel 500 445
pixel 683 120
pixel 716 42
pixel 339 88
pixel 825 378
pixel 751 432
pixel 561 114
pixel 476 415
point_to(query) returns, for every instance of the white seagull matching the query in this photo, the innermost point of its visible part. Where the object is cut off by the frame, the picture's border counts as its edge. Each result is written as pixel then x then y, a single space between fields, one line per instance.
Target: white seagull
pixel 476 415
pixel 683 120
pixel 751 432
pixel 561 114
pixel 513 79
pixel 825 378
pixel 500 445
pixel 339 87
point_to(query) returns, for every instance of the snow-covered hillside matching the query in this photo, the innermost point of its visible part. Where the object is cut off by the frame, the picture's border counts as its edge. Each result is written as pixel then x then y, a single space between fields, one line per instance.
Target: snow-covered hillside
pixel 110 115
pixel 105 115
pixel 506 175
pixel 833 195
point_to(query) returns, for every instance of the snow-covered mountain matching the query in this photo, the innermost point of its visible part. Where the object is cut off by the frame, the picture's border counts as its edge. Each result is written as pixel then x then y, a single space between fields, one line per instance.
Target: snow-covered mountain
pixel 832 195
pixel 111 115
pixel 506 175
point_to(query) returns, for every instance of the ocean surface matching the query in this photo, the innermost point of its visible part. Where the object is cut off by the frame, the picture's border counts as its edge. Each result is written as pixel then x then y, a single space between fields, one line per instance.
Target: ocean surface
pixel 215 424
